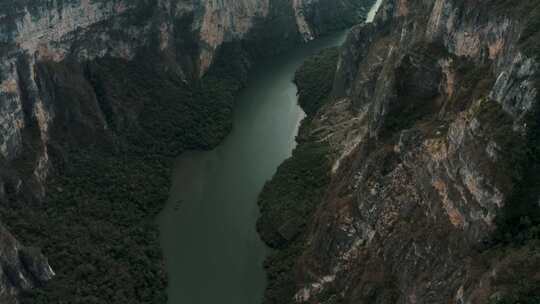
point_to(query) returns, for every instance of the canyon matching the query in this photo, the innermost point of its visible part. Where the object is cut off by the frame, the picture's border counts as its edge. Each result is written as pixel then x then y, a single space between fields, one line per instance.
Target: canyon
pixel 96 97
pixel 428 191
pixel 210 244
pixel 414 179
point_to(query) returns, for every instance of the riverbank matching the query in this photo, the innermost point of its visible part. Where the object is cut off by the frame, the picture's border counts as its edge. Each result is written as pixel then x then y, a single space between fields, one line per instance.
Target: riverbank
pixel 212 250
pixel 420 206
pixel 97 224
pixel 291 197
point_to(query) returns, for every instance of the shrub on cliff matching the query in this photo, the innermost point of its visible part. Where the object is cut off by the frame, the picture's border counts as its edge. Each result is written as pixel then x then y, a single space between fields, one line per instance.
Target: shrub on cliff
pixel 315 79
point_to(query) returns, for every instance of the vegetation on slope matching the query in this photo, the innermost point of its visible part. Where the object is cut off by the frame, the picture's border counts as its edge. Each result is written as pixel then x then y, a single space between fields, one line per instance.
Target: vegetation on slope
pixel 97 224
pixel 339 14
pixel 315 79
pixel 520 219
pixel 290 199
pixel 518 235
pixel 96 227
pixel 519 222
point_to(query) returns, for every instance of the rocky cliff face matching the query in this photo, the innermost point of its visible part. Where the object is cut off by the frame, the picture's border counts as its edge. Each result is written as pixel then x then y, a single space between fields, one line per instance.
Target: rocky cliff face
pixel 187 33
pixel 316 17
pixel 82 74
pixel 21 267
pixel 431 129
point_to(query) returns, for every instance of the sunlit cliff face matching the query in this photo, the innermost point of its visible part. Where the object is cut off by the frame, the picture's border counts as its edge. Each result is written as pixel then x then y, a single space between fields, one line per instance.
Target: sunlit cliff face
pixel 227 20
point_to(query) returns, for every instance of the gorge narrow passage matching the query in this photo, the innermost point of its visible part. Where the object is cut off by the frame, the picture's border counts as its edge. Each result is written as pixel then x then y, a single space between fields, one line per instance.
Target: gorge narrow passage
pixel 212 251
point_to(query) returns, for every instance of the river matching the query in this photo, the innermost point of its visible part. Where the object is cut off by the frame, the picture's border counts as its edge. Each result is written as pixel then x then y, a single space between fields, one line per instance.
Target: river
pixel 212 251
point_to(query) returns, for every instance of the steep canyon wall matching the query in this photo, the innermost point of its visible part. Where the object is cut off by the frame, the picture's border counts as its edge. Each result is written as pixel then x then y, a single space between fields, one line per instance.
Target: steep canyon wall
pixel 431 132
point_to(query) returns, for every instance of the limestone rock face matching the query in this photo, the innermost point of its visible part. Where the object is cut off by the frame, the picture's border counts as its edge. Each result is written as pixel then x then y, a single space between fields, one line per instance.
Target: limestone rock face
pixel 20 267
pixel 429 102
pixel 226 20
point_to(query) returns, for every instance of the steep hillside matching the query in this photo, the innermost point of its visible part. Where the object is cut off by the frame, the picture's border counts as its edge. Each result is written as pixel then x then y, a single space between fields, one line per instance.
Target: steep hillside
pixel 432 131
pixel 95 96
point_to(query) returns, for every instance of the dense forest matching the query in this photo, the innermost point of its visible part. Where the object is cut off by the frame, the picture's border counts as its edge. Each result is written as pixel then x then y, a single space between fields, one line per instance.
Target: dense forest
pixel 97 223
pixel 289 200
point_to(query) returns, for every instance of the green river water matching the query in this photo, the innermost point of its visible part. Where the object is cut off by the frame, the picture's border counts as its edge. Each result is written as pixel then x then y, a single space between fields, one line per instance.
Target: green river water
pixel 212 251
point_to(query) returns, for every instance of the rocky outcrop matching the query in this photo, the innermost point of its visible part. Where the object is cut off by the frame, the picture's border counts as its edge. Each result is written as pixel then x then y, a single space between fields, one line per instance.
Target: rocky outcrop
pixel 317 17
pixel 433 109
pixel 20 267
pixel 226 20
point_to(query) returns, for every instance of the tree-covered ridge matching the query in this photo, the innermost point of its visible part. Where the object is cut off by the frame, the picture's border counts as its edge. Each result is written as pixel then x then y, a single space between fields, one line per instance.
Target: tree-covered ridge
pixel 97 223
